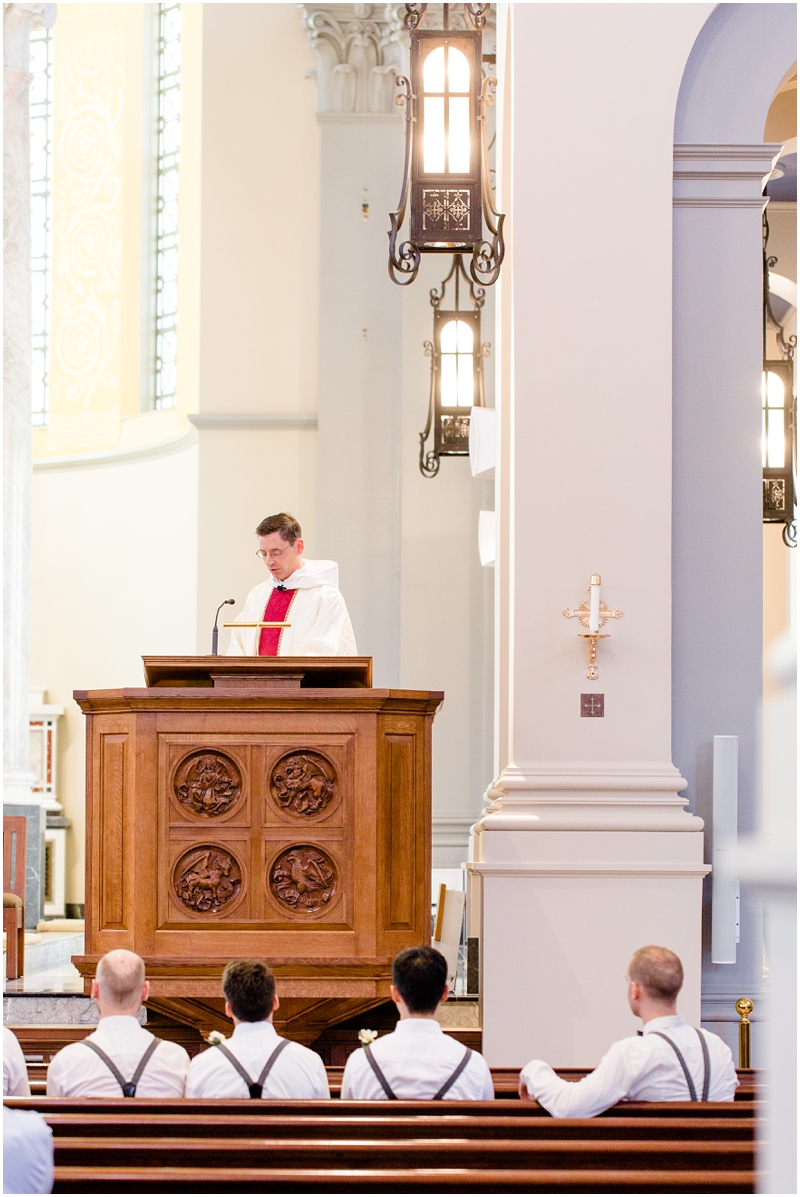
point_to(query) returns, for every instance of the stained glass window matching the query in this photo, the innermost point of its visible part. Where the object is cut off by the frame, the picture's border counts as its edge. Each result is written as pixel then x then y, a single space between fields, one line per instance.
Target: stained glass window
pixel 41 114
pixel 167 240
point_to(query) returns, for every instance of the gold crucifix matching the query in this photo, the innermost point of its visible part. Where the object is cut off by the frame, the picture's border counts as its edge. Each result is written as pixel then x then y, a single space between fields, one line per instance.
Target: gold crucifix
pixel 593 614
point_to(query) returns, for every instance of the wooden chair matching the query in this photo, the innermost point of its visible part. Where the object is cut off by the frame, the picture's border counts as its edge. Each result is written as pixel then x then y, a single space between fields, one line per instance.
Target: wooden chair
pixel 15 850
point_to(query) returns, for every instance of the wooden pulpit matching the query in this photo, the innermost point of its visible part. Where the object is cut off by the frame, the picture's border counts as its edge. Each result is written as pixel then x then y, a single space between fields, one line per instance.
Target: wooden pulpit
pixel 276 807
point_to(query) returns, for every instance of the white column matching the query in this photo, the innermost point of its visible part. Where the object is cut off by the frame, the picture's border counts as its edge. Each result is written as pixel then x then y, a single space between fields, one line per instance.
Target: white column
pixel 18 20
pixel 585 851
pixel 359 442
pixel 717 528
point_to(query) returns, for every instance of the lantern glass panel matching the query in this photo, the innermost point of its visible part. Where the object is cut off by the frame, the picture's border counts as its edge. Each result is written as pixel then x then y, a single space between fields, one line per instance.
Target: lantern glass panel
pixel 433 71
pixel 773 448
pixel 433 146
pixel 458 139
pixel 457 71
pixel 447 145
pixel 457 364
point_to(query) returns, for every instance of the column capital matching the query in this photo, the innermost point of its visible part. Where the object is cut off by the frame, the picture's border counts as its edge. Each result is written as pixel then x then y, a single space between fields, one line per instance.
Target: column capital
pixel 359 49
pixel 18 22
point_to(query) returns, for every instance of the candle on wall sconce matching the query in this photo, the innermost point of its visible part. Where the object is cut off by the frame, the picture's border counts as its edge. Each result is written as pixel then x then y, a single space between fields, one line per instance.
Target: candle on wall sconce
pixel 593 614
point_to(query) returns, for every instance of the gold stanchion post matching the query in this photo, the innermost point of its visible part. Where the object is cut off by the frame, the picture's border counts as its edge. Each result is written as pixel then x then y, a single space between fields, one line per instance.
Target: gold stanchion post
pixel 744 1007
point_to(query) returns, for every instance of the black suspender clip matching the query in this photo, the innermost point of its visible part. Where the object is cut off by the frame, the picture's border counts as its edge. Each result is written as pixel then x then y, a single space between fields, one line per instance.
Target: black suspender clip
pixel 255 1088
pixel 128 1087
pixel 392 1096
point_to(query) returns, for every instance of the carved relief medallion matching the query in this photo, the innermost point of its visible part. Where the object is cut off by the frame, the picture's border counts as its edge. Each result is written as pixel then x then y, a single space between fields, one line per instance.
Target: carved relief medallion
pixel 207 879
pixel 303 783
pixel 208 783
pixel 303 879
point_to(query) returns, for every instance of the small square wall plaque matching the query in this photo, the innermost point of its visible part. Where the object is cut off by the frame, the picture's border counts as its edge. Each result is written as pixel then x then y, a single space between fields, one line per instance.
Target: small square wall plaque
pixel 593 706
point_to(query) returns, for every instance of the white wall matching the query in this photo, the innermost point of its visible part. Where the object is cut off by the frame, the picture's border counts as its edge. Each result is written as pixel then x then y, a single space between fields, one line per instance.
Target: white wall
pixel 114 567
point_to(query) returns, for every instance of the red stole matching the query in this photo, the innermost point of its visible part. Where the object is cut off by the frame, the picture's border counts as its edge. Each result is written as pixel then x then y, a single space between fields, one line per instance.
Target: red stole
pixel 275 611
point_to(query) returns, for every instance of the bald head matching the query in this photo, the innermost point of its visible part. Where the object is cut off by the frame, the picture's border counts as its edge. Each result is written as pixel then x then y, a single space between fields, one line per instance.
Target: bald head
pixel 658 971
pixel 120 980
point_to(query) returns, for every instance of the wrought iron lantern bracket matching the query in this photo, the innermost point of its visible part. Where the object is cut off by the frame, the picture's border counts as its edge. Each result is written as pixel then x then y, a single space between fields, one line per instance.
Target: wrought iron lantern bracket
pixel 450 424
pixel 463 199
pixel 779 484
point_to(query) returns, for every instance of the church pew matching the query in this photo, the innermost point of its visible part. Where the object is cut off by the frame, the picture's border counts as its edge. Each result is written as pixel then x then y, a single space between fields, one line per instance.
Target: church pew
pixel 347 1109
pixel 418 1180
pixel 37 1077
pixel 381 1153
pixel 134 1125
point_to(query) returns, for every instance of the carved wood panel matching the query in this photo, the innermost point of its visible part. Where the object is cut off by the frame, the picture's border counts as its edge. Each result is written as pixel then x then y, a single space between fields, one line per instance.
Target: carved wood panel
pixel 208 783
pixel 304 784
pixel 112 788
pixel 208 879
pixel 251 802
pixel 304 879
pixel 400 848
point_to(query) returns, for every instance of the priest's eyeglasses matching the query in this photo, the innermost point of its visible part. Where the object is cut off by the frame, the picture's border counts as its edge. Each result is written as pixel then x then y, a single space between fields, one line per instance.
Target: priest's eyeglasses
pixel 271 554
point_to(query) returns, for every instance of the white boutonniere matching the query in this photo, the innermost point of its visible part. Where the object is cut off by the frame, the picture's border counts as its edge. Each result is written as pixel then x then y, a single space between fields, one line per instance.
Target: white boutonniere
pixel 367 1037
pixel 215 1037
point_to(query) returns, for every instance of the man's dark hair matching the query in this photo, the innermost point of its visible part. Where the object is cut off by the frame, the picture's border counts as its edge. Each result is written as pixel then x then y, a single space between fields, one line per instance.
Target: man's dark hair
pixel 284 523
pixel 420 975
pixel 249 988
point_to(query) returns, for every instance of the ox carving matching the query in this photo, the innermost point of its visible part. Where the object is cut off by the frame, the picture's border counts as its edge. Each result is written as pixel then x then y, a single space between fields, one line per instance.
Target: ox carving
pixel 207 879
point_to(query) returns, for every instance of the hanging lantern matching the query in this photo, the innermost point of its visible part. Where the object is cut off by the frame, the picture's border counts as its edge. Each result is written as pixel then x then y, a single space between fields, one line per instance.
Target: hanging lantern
pixel 777 441
pixel 778 417
pixel 456 354
pixel 446 180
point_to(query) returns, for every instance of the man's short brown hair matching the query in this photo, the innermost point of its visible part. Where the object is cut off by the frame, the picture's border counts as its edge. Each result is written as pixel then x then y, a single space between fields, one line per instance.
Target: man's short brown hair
pixel 249 988
pixel 284 523
pixel 658 971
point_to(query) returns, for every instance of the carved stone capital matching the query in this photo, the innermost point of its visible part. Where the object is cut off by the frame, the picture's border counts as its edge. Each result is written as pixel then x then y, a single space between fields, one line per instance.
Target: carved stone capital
pixel 359 50
pixel 18 22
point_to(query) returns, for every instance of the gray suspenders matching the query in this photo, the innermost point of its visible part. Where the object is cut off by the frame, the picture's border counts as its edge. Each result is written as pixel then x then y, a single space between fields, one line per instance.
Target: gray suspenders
pixel 682 1062
pixel 128 1087
pixel 255 1087
pixel 384 1084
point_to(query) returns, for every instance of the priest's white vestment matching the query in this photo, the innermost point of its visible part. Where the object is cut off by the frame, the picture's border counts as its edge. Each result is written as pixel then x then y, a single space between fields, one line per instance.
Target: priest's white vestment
pixel 316 610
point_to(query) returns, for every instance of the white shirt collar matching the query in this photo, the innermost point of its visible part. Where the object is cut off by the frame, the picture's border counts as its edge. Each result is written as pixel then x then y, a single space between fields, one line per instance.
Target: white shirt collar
pixel 669 1021
pixel 119 1022
pixel 422 1026
pixel 254 1028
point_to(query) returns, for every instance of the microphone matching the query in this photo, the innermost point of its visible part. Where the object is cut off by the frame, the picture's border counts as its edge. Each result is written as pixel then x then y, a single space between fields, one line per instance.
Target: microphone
pixel 215 632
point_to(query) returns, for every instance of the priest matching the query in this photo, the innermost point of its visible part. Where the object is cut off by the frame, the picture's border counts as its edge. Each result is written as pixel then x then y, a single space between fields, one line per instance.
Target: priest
pixel 302 593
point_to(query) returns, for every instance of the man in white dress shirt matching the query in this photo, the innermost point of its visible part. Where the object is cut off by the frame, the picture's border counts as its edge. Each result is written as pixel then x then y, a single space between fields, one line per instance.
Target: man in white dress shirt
pixel 302 593
pixel 120 1058
pixel 666 1061
pixel 417 1061
pixel 15 1072
pixel 255 1062
pixel 27 1153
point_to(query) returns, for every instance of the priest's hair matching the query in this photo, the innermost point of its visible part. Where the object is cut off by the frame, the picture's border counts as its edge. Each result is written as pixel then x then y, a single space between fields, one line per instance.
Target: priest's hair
pixel 658 971
pixel 120 977
pixel 284 523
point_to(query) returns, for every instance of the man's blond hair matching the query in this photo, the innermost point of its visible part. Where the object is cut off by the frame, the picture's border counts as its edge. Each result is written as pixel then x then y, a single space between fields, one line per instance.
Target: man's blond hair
pixel 120 977
pixel 658 971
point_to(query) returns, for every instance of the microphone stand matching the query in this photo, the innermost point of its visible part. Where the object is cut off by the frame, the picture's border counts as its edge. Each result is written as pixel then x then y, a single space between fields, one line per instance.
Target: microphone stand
pixel 215 632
